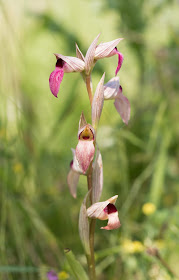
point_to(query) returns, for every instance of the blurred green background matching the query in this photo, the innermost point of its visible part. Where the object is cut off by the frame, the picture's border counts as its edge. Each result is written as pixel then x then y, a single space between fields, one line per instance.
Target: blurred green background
pixel 38 217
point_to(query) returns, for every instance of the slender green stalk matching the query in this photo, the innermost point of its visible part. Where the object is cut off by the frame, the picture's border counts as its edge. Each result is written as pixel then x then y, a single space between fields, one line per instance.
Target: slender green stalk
pixel 89 89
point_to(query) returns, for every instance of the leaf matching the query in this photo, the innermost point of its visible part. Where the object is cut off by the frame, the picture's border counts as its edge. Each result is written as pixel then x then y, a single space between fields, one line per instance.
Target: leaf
pixel 84 226
pixel 98 101
pixel 75 267
pixel 97 177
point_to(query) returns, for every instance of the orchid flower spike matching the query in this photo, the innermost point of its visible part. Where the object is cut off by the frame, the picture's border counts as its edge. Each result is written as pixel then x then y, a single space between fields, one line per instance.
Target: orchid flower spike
pixel 105 210
pixel 85 149
pixel 113 90
pixel 64 64
pixel 109 49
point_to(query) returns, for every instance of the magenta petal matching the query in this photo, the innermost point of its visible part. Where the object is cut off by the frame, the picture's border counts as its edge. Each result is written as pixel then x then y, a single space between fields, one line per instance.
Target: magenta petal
pixel 120 61
pixel 55 80
pixel 51 275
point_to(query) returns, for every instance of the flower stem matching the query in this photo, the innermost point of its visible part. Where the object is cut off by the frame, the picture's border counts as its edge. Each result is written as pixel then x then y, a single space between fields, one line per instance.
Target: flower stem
pixel 89 89
pixel 91 258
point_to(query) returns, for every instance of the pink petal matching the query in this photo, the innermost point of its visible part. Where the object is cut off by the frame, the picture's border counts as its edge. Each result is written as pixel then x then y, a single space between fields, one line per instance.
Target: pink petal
pixel 120 61
pixel 111 88
pixel 55 80
pixel 123 107
pixel 113 221
pixel 84 153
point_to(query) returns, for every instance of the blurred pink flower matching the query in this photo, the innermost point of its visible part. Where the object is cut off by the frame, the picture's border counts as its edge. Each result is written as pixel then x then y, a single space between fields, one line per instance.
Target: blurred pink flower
pixel 51 275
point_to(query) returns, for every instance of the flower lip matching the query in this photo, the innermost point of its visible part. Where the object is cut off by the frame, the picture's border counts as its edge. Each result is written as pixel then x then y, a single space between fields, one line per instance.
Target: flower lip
pixel 60 63
pixel 86 133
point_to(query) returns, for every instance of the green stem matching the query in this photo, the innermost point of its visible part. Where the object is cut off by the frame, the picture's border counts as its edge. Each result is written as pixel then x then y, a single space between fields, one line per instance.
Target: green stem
pixel 89 89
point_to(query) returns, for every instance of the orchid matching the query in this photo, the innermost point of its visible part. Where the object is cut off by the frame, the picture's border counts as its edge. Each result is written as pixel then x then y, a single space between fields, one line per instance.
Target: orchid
pixel 113 90
pixel 103 50
pixel 87 158
pixel 84 65
pixel 105 210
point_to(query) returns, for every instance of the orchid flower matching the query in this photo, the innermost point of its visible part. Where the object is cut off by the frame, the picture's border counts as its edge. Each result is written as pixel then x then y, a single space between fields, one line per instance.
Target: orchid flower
pixel 102 50
pixel 64 64
pixel 85 149
pixel 105 210
pixel 113 90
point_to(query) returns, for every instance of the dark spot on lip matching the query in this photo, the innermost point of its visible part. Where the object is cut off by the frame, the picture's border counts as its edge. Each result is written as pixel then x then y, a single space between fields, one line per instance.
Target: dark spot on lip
pixel 85 137
pixel 71 164
pixel 110 208
pixel 60 63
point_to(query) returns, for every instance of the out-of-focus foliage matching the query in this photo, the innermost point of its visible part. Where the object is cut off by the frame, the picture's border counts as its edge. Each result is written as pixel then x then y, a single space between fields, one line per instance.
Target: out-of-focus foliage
pixel 38 217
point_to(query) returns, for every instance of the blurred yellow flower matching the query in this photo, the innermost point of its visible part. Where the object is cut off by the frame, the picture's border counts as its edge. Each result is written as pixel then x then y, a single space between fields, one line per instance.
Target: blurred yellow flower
pixel 63 275
pixel 148 208
pixel 132 247
pixel 17 167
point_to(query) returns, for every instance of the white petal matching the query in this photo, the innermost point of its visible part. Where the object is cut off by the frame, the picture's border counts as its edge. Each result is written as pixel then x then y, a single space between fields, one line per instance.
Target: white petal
pixel 111 88
pixel 79 53
pixel 104 49
pixel 113 199
pixel 89 58
pixel 95 211
pixel 82 121
pixel 73 64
